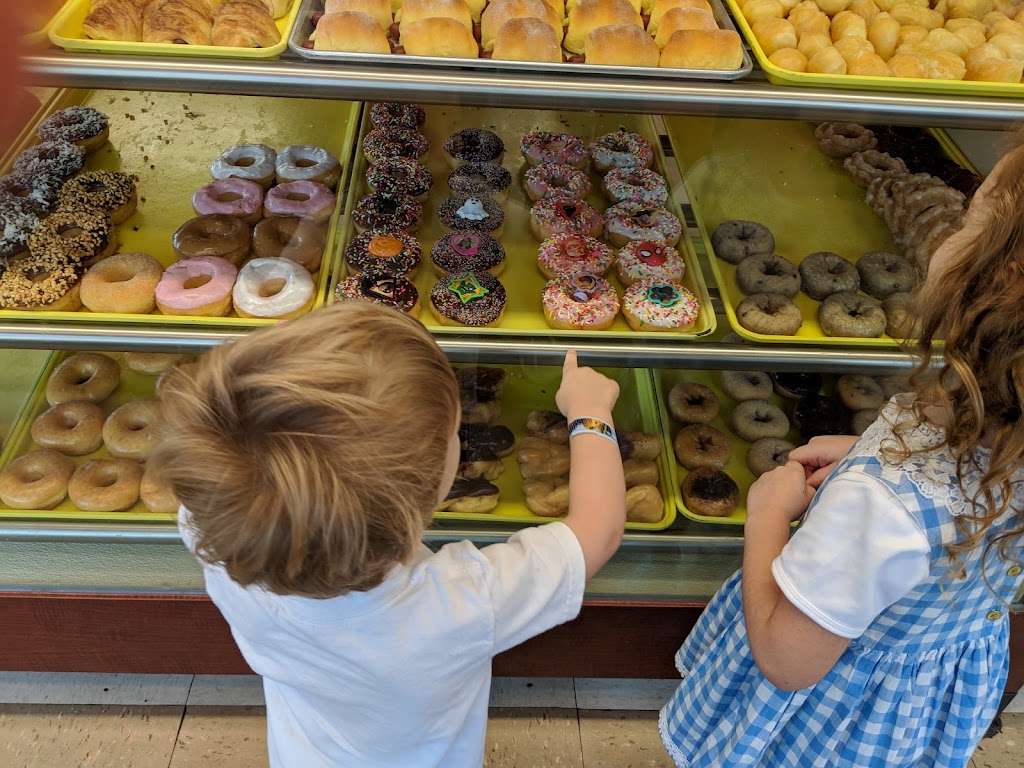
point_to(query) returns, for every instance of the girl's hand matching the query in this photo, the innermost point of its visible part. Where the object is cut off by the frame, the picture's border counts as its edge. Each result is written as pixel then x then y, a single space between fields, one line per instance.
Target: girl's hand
pixel 585 392
pixel 782 492
pixel 820 456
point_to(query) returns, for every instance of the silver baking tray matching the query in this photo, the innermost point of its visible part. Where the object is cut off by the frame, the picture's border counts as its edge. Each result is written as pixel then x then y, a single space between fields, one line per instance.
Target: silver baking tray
pixel 304 26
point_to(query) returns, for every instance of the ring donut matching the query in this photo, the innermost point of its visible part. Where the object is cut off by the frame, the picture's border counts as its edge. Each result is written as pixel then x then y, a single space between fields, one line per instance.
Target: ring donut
pixel 850 314
pixel 840 140
pixel 766 454
pixel 130 432
pixel 755 419
pixel 105 485
pixel 73 428
pixel 746 385
pixel 701 445
pixel 768 273
pixel 770 314
pixel 824 273
pixel 711 492
pixel 83 376
pixel 735 240
pixel 692 403
pixel 883 273
pixel 36 480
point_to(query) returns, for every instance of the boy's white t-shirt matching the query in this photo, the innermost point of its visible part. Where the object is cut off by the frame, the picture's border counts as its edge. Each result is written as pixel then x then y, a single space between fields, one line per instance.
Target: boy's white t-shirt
pixel 399 676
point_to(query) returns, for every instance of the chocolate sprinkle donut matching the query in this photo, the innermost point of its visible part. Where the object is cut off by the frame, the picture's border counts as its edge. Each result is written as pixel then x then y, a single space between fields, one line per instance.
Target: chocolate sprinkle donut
pixel 55 158
pixel 79 235
pixel 401 175
pixel 469 298
pixel 475 145
pixel 467 252
pixel 380 287
pixel 479 180
pixel 380 145
pixel 819 415
pixel 768 273
pixel 73 124
pixel 449 214
pixel 824 273
pixel 391 114
pixel 37 193
pixel 390 250
pixel 387 210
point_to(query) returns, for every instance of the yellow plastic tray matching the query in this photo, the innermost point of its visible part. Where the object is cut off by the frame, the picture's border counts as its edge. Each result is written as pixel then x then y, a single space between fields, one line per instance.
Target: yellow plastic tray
pixel 66 32
pixel 532 387
pixel 780 76
pixel 522 279
pixel 133 387
pixel 771 171
pixel 168 141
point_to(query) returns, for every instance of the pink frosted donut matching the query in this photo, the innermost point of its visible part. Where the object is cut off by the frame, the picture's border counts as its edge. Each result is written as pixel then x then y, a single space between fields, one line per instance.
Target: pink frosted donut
pixel 233 197
pixel 549 217
pixel 572 252
pixel 580 302
pixel 305 199
pixel 643 259
pixel 635 185
pixel 200 286
pixel 546 147
pixel 658 305
pixel 549 180
pixel 625 222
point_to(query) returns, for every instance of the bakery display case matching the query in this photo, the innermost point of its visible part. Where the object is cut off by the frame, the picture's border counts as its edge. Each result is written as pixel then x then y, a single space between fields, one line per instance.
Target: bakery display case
pixel 109 592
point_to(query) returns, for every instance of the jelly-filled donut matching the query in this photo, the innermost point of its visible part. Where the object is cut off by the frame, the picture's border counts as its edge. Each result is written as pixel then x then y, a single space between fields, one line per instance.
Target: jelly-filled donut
pixel 123 283
pixel 36 480
pixel 551 217
pixel 111 192
pixel 474 145
pixel 819 415
pixel 692 403
pixel 853 315
pixel 649 259
pixel 766 454
pixel 396 142
pixel 389 289
pixel 83 236
pixel 625 222
pixel 545 147
pixel 399 175
pixel 794 385
pixel 568 252
pixel 467 252
pixel 305 162
pixel 768 273
pixel 745 385
pixel 391 114
pixel 468 298
pixel 130 432
pixel 85 127
pixel 556 182
pixel 859 392
pixel 83 376
pixel 231 197
pixel 824 273
pixel 480 180
pixel 200 286
pixel 37 193
pixel 635 185
pixel 472 214
pixel 754 419
pixel 701 445
pixel 385 250
pixel 41 282
pixel 883 273
pixel 770 314
pixel 657 305
pixel 735 240
pixel 273 288
pixel 53 158
pixel 579 301
pixel 105 485
pixel 215 234
pixel 252 162
pixel 710 492
pixel 74 428
pixel 387 210
pixel 620 149
pixel 305 199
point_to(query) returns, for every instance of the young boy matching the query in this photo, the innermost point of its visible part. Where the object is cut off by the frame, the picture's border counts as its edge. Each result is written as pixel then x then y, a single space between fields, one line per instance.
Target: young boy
pixel 308 458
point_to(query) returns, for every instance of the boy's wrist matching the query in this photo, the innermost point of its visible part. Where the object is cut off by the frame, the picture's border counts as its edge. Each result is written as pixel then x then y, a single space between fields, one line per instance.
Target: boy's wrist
pixel 604 414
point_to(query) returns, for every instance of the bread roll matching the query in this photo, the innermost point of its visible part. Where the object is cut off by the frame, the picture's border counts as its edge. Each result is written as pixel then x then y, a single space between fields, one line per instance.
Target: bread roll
pixel 588 15
pixel 851 47
pixel 1011 45
pixel 812 43
pixel 623 45
pixel 908 13
pixel 866 9
pixel 789 58
pixel 439 36
pixel 527 40
pixel 351 32
pixel 661 7
pixel 379 10
pixel 755 10
pixel 570 4
pixel 883 33
pixel 1007 27
pixel 995 71
pixel 968 9
pixel 993 17
pixel 906 65
pixel 848 24
pixel 774 35
pixel 499 11
pixel 867 64
pixel 827 62
pixel 417 10
pixel 832 7
pixel 684 18
pixel 910 33
pixel 703 49
pixel 815 23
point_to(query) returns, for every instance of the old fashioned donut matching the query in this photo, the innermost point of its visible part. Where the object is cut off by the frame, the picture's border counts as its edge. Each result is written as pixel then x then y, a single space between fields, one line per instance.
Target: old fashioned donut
pixel 400 175
pixel 388 250
pixel 865 167
pixel 85 127
pixel 389 289
pixel 215 234
pixel 883 273
pixel 794 385
pixel 467 252
pixel 572 252
pixel 553 216
pixel 272 288
pixel 635 185
pixel 153 363
pixel 649 259
pixel 105 485
pixel 620 149
pixel 42 282
pixel 200 286
pixel 157 496
pixel 395 142
pixel 290 237
pixel 85 236
pixel 472 214
pixel 73 428
pixel 130 432
pixel 770 314
pixel 755 419
pixel 305 199
pixel 735 240
pixel 123 283
pixel 387 210
pixel 231 197
pixel 853 315
pixel 824 273
pixel 745 385
pixel 625 222
pixel 391 114
pixel 840 140
pixel 766 454
pixel 768 273
pixel 36 480
pixel 305 162
pixel 711 492
pixel 52 158
pixel 819 415
pixel 474 145
pixel 692 403
pixel 480 180
pixel 468 298
pixel 659 306
pixel 549 182
pixel 900 320
pixel 701 445
pixel 252 162
pixel 109 192
pixel 861 420
pixel 859 392
pixel 545 147
pixel 83 376
pixel 579 301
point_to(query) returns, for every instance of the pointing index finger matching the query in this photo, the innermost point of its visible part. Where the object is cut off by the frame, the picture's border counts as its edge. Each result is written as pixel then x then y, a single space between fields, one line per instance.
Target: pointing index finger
pixel 570 361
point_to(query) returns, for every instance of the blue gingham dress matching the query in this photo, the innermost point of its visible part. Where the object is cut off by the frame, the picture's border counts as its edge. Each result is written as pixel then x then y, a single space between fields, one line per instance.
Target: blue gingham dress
pixel 918 688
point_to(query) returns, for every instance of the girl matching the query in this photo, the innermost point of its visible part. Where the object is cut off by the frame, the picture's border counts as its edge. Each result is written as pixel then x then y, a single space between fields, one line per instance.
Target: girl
pixel 878 635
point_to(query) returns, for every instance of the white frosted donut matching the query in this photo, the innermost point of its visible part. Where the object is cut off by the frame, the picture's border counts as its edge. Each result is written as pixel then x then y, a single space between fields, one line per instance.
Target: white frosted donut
pixel 277 288
pixel 304 162
pixel 252 162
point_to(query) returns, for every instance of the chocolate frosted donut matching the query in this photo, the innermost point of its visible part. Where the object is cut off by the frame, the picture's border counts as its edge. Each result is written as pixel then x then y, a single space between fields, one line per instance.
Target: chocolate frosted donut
pixel 746 385
pixel 883 273
pixel 497 438
pixel 711 492
pixel 474 145
pixel 733 241
pixel 55 158
pixel 692 403
pixel 754 419
pixel 16 224
pixel 472 214
pixel 84 126
pixel 700 445
pixel 111 192
pixel 379 287
pixel 766 454
pixel 400 175
pixel 819 415
pixel 771 314
pixel 380 145
pixel 793 386
pixel 215 234
pixel 468 298
pixel 391 114
pixel 36 193
pixel 387 210
pixel 467 252
pixel 768 273
pixel 390 250
pixel 850 314
pixel 824 273
pixel 480 180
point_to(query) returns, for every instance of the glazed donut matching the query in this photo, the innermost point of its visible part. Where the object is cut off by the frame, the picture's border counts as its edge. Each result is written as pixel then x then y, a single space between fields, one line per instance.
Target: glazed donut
pixel 41 282
pixel 231 197
pixel 735 240
pixel 130 432
pixel 766 454
pixel 620 149
pixel 850 314
pixel 579 301
pixel 305 199
pixel 561 182
pixel 867 166
pixel 819 415
pixel 551 217
pixel 467 252
pixel 544 147
pixel 861 420
pixel 273 288
pixel 691 403
pixel 123 283
pixel 883 273
pixel 768 273
pixel 290 237
pixel 36 480
pixel 399 175
pixel 396 142
pixel 710 492
pixel 539 458
pixel 480 180
pixel 625 222
pixel 391 114
pixel 51 158
pixel 156 496
pixel 859 392
pixel 473 145
pixel 472 214
pixel 794 386
pixel 572 252
pixel 754 419
pixel 85 127
pixel 109 192
pixel 635 185
pixel 153 363
pixel 84 236
pixel 37 194
pixel 900 323
pixel 468 298
pixel 105 485
pixel 304 162
pixel 73 428
pixel 840 140
pixel 639 472
pixel 388 289
pixel 700 445
pixel 658 305
pixel 215 234
pixel 387 210
pixel 745 385
pixel 252 162
pixel 83 376
pixel 200 286
pixel 387 251
pixel 769 314
pixel 824 273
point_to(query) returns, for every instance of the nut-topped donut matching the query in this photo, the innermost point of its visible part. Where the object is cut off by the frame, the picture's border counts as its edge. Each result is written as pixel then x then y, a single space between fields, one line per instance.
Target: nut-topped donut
pixel 389 289
pixel 621 149
pixel 399 175
pixel 557 148
pixel 33 281
pixel 572 252
pixel 468 298
pixel 480 180
pixel 625 222
pixel 111 192
pixel 396 142
pixel 85 127
pixel 474 145
pixel 467 252
pixel 387 210
pixel 82 236
pixel 54 158
pixel 37 193
pixel 635 185
pixel 305 162
pixel 579 301
pixel 551 181
pixel 390 250
pixel 252 162
pixel 391 114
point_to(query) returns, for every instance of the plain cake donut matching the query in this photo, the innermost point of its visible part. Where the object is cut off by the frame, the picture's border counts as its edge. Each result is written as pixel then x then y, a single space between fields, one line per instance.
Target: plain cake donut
pixel 735 240
pixel 692 403
pixel 853 315
pixel 124 283
pixel 746 385
pixel 768 273
pixel 711 492
pixel 36 480
pixel 883 273
pixel 766 454
pixel 130 432
pixel 701 445
pixel 73 428
pixel 770 314
pixel 824 273
pixel 859 392
pixel 755 419
pixel 83 376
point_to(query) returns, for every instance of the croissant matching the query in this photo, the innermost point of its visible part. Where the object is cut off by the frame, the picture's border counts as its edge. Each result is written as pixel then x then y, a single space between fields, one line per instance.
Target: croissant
pixel 187 22
pixel 244 24
pixel 114 20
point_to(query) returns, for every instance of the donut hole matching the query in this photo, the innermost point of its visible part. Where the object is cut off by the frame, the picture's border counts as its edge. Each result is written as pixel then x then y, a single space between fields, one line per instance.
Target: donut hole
pixel 271 287
pixel 70 231
pixel 304 162
pixel 298 197
pixel 198 281
pixel 227 197
pixel 105 478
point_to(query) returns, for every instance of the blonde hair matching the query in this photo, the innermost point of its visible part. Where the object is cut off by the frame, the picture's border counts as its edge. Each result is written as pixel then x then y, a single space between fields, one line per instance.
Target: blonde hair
pixel 976 309
pixel 309 454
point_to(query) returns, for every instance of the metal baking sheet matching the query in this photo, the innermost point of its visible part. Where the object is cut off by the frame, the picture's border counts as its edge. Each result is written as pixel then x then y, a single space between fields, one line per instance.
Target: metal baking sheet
pixel 304 26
